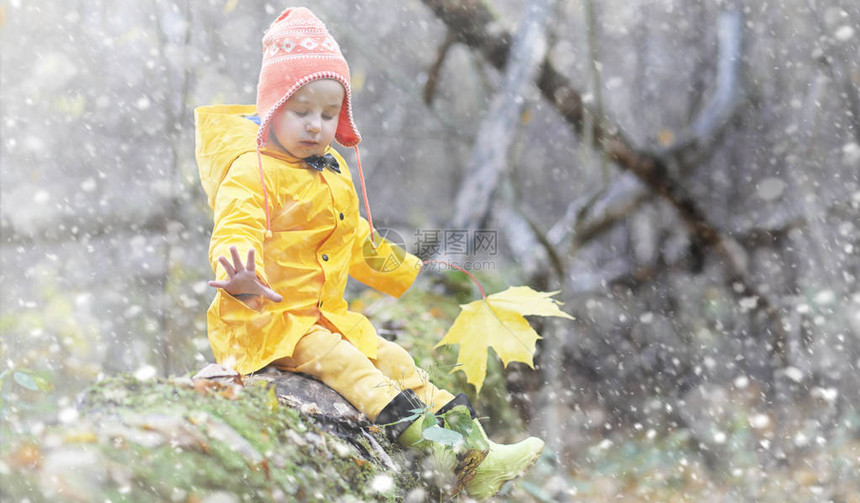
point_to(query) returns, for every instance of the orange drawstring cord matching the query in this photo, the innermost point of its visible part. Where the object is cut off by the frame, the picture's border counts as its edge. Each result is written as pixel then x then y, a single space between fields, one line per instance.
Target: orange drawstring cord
pixel 364 194
pixel 265 192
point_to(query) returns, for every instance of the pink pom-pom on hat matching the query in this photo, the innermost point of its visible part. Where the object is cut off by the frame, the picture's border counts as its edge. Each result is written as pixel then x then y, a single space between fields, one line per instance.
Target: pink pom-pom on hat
pixel 298 49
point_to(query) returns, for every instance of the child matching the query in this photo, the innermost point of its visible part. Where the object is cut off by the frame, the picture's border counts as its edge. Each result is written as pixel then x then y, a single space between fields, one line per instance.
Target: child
pixel 284 199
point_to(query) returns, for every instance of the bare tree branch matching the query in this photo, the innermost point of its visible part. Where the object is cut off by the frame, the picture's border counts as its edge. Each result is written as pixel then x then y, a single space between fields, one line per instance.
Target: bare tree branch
pixel 714 115
pixel 620 200
pixel 488 160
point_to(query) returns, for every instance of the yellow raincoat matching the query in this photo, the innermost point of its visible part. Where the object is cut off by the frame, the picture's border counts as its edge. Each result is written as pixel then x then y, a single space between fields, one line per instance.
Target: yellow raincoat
pixel 317 239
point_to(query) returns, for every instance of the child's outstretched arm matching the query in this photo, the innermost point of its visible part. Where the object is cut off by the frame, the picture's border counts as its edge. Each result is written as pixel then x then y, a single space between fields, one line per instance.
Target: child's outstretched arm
pixel 242 281
pixel 240 222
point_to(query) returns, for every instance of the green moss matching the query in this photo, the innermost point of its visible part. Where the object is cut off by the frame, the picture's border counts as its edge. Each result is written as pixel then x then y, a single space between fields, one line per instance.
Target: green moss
pixel 165 440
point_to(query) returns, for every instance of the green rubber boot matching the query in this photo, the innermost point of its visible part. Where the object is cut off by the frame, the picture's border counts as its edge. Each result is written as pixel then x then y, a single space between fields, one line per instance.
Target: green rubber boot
pixel 503 463
pixel 454 452
pixel 412 436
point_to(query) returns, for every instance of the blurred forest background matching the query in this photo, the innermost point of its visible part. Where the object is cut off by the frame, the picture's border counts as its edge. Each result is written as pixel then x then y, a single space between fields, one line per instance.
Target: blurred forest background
pixel 687 173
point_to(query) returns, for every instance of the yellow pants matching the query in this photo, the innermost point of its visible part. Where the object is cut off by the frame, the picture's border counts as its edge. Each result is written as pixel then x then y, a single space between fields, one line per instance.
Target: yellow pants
pixel 368 384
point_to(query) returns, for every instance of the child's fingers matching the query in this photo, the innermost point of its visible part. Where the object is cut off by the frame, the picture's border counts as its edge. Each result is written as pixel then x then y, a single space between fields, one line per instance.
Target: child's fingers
pixel 227 267
pixel 218 284
pixel 237 262
pixel 272 295
pixel 249 264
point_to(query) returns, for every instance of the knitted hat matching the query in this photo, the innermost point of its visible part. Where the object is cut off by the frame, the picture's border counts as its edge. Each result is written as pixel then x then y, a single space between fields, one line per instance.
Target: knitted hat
pixel 297 49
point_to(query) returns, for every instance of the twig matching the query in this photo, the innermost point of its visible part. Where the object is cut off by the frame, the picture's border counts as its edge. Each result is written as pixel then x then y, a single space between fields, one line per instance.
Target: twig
pixel 436 69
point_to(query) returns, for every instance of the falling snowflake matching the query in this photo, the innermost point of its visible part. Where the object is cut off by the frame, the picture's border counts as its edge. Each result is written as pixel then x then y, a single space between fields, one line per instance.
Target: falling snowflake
pixel 844 33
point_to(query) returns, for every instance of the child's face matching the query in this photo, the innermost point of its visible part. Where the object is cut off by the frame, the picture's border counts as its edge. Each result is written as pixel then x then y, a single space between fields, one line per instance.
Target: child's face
pixel 305 125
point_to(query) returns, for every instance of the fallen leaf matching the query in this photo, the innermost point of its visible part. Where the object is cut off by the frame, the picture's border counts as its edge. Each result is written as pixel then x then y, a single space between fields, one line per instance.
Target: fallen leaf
pixel 230 5
pixel 80 437
pixel 272 399
pixel 25 380
pixel 206 387
pixel 215 371
pixel 526 116
pixel 497 322
pixel 27 456
pixel 232 392
pixel 311 409
pixel 665 137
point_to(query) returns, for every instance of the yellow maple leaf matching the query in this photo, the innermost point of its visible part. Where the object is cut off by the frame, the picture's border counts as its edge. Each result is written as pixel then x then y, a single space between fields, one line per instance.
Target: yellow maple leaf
pixel 497 322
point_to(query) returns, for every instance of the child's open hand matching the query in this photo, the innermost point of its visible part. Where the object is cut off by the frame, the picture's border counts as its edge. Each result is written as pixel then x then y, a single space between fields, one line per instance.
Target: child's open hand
pixel 242 279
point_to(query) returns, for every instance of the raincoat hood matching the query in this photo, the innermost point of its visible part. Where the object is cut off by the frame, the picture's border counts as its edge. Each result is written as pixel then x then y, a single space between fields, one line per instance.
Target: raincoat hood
pixel 223 133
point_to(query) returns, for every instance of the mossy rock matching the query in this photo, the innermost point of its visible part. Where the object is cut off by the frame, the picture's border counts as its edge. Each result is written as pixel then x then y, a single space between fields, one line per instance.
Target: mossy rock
pixel 268 438
pixel 203 440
